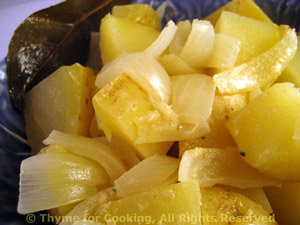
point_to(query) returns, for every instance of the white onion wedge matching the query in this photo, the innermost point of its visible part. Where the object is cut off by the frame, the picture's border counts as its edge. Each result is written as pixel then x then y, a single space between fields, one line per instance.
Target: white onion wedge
pixel 89 206
pixel 46 197
pixel 199 44
pixel 163 40
pixel 89 148
pixel 225 52
pixel 211 166
pixel 61 168
pixel 182 33
pixel 192 98
pixel 53 179
pixel 142 68
pixel 147 174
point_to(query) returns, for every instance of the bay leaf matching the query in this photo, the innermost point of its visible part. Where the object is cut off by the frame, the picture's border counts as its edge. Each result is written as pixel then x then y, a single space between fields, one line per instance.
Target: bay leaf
pixel 52 37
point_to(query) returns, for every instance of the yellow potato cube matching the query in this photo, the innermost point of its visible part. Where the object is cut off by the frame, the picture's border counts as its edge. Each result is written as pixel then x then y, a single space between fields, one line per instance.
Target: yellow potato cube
pixel 246 8
pixel 267 131
pixel 256 36
pixel 139 13
pixel 222 207
pixel 117 106
pixel 173 204
pixel 120 36
pixel 62 101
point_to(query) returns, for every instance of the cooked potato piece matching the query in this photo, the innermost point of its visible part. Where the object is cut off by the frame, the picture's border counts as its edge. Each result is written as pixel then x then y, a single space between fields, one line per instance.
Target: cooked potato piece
pixel 62 101
pixel 142 14
pixel 257 195
pixel 120 36
pixel 267 131
pixel 256 36
pixel 286 203
pixel 173 204
pixel 246 8
pixel 222 207
pixel 117 106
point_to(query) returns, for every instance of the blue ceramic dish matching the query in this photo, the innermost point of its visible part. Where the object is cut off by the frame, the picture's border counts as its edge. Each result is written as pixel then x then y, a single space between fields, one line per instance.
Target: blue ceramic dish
pixel 13 147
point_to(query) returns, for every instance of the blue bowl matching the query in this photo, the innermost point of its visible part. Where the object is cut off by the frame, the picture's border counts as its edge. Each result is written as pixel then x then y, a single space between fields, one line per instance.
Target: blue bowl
pixel 13 147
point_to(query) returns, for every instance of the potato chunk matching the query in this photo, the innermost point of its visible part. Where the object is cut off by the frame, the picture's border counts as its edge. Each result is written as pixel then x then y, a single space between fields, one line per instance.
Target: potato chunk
pixel 222 207
pixel 120 36
pixel 142 14
pixel 62 101
pixel 173 204
pixel 246 8
pixel 267 131
pixel 118 106
pixel 256 36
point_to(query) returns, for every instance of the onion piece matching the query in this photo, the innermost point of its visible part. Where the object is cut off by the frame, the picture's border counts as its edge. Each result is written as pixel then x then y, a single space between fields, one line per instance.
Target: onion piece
pixel 61 168
pixel 225 52
pixel 142 68
pixel 91 149
pixel 210 166
pixel 89 206
pixel 175 65
pixel 163 40
pixel 181 36
pixel 147 174
pixel 53 179
pixel 192 98
pixel 33 199
pixel 199 44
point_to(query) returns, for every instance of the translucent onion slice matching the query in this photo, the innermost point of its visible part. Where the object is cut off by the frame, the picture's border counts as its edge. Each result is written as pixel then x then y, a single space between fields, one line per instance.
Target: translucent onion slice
pixel 89 206
pixel 180 133
pixel 260 71
pixel 181 36
pixel 175 65
pixel 211 166
pixel 147 174
pixel 142 68
pixel 53 179
pixel 199 44
pixel 60 168
pixel 192 98
pixel 37 198
pixel 91 149
pixel 225 52
pixel 163 40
